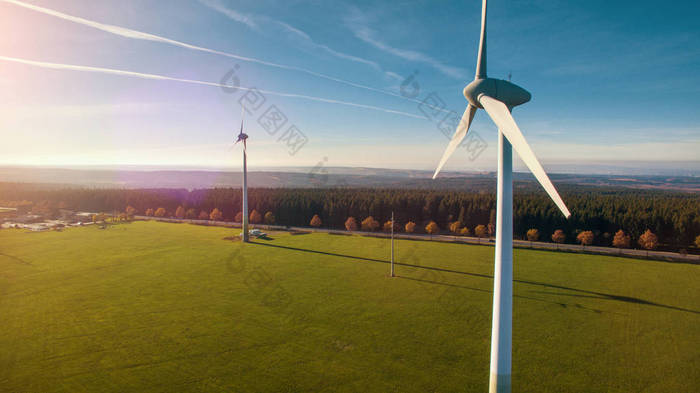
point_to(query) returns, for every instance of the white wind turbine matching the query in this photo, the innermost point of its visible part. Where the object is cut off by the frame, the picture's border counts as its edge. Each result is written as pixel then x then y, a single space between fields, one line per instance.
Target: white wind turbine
pixel 242 137
pixel 498 97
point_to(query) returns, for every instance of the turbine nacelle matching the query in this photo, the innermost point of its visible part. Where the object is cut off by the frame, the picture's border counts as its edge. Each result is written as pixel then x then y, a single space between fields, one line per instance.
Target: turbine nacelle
pixel 501 90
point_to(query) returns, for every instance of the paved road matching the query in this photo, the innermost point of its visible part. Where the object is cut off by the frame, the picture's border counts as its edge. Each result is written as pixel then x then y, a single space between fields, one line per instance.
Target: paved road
pixel 661 255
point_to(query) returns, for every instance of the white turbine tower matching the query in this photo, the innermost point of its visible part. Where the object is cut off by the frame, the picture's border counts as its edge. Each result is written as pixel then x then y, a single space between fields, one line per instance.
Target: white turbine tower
pixel 242 137
pixel 498 97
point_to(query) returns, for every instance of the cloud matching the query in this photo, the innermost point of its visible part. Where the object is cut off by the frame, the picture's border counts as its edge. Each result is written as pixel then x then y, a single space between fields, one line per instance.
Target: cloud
pixel 232 14
pixel 139 35
pixel 358 25
pixel 307 40
pixel 256 22
pixel 71 67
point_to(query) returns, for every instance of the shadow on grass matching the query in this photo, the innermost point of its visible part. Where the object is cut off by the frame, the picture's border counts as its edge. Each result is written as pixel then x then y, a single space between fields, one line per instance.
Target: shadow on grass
pixel 605 296
pixel 564 305
pixel 20 260
pixel 583 293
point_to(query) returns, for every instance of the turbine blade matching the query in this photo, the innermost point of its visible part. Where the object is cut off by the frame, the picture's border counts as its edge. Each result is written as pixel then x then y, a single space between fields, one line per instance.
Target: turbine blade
pixel 500 114
pixel 481 57
pixel 242 116
pixel 457 138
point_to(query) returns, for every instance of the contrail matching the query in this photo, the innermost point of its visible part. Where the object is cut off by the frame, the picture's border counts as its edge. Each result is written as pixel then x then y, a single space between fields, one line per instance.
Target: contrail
pixel 139 35
pixel 112 71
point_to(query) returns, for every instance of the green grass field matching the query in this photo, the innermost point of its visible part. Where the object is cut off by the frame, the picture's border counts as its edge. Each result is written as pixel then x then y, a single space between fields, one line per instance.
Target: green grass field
pixel 174 308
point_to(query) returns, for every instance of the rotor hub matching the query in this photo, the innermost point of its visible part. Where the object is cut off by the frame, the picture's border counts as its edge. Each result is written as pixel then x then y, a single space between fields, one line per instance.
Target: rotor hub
pixel 501 90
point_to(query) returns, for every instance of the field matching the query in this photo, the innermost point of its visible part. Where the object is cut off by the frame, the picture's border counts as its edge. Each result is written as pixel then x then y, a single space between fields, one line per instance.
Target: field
pixel 173 308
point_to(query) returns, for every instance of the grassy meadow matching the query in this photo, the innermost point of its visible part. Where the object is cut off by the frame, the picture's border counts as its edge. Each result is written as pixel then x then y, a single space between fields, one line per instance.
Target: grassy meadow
pixel 162 307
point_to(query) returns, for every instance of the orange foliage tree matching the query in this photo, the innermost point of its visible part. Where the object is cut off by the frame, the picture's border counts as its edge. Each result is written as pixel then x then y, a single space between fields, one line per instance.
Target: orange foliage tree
pixel 216 215
pixel 130 212
pixel 410 227
pixel 533 235
pixel 432 228
pixel 648 241
pixel 255 217
pixel 621 240
pixel 558 237
pixel 370 224
pixel 585 238
pixel 351 224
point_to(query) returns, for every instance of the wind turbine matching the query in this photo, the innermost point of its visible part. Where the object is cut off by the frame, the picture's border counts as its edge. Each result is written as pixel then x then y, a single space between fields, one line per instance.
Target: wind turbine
pixel 242 137
pixel 498 97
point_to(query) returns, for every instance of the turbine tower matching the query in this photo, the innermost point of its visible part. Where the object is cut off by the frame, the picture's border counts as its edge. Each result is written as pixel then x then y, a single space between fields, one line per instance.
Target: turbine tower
pixel 242 137
pixel 498 97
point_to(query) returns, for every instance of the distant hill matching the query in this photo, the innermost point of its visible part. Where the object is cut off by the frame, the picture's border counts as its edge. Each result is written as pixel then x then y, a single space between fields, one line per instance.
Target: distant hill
pixel 303 177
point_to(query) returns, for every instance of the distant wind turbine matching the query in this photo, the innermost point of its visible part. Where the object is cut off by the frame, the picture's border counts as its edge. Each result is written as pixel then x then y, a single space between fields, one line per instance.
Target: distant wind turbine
pixel 498 97
pixel 242 137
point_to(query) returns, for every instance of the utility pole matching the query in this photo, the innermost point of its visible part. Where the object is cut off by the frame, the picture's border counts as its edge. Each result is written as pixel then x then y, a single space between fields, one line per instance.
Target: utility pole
pixel 392 244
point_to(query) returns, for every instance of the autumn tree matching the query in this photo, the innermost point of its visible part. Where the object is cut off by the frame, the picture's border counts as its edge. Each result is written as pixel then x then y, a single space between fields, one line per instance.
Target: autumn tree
pixel 558 237
pixel 455 227
pixel 480 231
pixel 239 217
pixel 585 238
pixel 464 231
pixel 410 227
pixel 191 214
pixel 180 212
pixel 533 235
pixel 149 212
pixel 621 240
pixel 255 217
pixel 432 228
pixel 351 224
pixel 315 221
pixel 648 241
pixel 491 229
pixel 130 212
pixel 370 224
pixel 160 212
pixel 215 215
pixel 203 215
pixel 387 226
pixel 269 218
pixel 697 241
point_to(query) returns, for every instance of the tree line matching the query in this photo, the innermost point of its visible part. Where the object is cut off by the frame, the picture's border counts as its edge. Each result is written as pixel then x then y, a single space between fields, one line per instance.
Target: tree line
pixel 673 217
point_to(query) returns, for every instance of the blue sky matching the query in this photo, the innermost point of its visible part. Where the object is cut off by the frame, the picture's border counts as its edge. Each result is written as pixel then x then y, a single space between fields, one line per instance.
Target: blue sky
pixel 611 81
